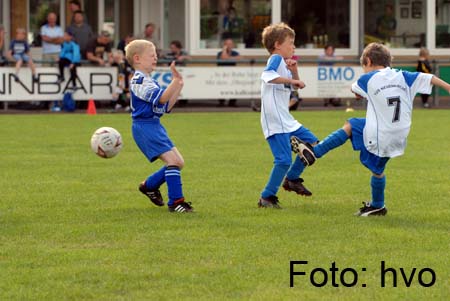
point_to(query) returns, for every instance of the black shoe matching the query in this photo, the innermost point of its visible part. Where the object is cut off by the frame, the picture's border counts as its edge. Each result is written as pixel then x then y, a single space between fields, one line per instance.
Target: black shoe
pixel 154 195
pixel 296 186
pixel 269 202
pixel 304 150
pixel 60 80
pixel 16 78
pixel 35 79
pixel 368 210
pixel 181 206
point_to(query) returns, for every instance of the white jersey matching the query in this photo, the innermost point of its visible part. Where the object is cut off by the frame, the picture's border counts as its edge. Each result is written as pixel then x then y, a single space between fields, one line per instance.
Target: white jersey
pixel 275 116
pixel 390 95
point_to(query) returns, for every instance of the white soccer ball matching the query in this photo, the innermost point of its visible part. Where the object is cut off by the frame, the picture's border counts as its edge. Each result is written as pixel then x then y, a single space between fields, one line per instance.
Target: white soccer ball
pixel 106 142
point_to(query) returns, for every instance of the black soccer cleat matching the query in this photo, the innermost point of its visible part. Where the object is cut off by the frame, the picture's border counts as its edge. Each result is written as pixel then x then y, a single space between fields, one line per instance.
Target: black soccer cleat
pixel 304 150
pixel 296 186
pixel 368 210
pixel 181 206
pixel 154 195
pixel 269 202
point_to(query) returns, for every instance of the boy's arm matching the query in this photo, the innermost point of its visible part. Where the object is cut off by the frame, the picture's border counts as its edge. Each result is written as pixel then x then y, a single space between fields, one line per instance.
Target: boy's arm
pixel 173 90
pixel 440 83
pixel 296 83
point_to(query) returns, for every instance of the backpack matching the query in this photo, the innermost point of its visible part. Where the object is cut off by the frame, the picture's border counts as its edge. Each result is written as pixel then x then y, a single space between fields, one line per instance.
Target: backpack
pixel 68 102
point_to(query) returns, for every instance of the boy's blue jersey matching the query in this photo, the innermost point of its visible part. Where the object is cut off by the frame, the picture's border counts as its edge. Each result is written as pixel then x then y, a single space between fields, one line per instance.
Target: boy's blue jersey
pixel 145 96
pixel 71 51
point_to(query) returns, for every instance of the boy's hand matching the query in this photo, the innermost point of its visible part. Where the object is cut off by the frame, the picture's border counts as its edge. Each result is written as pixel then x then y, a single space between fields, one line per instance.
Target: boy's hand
pixel 175 74
pixel 291 65
pixel 358 97
pixel 298 84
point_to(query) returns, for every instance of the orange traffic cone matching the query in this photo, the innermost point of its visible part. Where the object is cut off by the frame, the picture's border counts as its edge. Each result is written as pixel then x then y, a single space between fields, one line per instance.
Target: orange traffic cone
pixel 91 110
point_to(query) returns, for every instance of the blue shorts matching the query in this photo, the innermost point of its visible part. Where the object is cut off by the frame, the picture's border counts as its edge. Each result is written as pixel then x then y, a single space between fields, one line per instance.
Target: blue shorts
pixel 374 163
pixel 280 144
pixel 25 58
pixel 151 138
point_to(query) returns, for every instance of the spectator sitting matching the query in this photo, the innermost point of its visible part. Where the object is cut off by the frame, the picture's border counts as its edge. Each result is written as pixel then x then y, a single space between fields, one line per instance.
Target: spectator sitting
pixel 70 56
pixel 19 51
pixel 121 95
pixel 98 47
pixel 180 57
pixel 82 32
pixel 177 54
pixel 2 45
pixel 52 38
pixel 227 57
pixel 328 58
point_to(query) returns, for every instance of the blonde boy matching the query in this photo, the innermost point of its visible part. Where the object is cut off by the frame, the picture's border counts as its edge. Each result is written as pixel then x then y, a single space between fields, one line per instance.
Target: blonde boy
pixel 148 104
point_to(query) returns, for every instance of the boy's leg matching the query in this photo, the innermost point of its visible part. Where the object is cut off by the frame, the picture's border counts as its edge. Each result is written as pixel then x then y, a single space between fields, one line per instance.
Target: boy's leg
pixel 150 187
pixel 334 140
pixel 280 147
pixel 378 183
pixel 73 75
pixel 175 163
pixel 293 182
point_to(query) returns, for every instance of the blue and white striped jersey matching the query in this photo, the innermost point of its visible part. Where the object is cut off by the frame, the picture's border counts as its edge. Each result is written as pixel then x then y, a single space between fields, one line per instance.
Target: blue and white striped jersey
pixel 390 95
pixel 145 95
pixel 275 116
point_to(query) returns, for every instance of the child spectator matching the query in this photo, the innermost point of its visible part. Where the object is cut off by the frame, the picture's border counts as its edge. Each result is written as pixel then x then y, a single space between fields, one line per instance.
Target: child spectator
pixel 149 102
pixel 279 78
pixel 382 134
pixel 69 56
pixel 19 51
pixel 121 95
pixel 423 65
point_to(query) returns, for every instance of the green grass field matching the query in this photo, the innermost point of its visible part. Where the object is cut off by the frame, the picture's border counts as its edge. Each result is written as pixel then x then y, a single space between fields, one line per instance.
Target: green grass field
pixel 73 226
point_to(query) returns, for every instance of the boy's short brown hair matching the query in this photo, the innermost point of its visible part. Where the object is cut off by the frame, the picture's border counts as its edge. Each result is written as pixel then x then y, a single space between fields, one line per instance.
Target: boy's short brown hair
pixel 276 33
pixel 378 54
pixel 137 47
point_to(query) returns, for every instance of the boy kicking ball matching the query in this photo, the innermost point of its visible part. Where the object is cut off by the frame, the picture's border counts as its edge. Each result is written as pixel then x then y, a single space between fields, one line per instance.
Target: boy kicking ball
pixel 279 79
pixel 382 134
pixel 149 102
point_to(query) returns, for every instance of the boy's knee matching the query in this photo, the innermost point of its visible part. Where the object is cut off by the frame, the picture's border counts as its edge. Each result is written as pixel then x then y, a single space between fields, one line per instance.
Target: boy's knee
pixel 178 162
pixel 347 128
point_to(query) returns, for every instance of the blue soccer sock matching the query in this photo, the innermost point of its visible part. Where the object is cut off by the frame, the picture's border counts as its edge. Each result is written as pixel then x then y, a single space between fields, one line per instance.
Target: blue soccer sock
pixel 378 185
pixel 335 139
pixel 276 177
pixel 296 169
pixel 173 179
pixel 157 179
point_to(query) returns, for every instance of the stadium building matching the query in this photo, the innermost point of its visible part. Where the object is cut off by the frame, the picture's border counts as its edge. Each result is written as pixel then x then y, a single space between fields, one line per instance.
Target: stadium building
pixel 200 25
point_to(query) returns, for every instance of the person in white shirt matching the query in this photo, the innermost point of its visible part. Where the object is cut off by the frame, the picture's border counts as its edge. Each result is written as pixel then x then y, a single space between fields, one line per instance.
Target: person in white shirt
pixel 382 134
pixel 52 38
pixel 279 78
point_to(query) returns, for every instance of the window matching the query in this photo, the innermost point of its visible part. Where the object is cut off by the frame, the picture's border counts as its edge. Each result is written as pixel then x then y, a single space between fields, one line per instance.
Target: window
pixel 398 24
pixel 442 24
pixel 318 23
pixel 174 23
pixel 241 20
pixel 39 10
